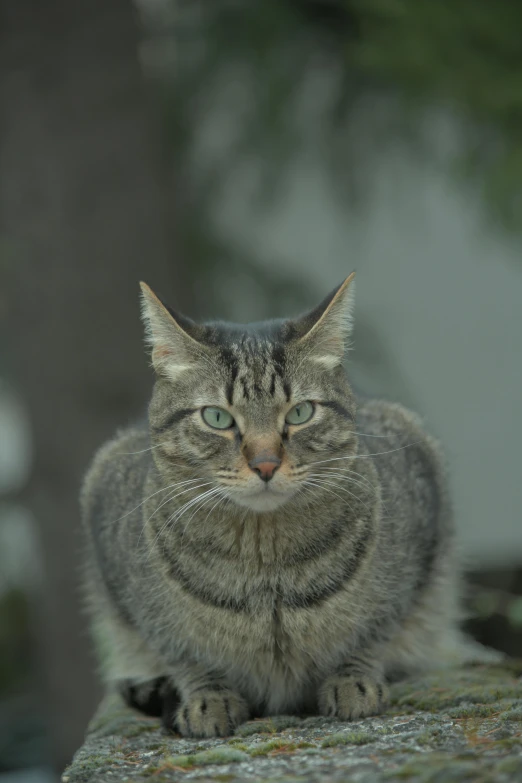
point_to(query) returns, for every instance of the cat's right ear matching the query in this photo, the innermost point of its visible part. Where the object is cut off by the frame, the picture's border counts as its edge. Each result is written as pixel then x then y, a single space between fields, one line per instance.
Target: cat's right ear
pixel 174 349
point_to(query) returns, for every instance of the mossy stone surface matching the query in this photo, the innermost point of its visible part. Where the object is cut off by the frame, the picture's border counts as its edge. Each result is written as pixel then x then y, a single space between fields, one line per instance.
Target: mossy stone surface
pixel 457 725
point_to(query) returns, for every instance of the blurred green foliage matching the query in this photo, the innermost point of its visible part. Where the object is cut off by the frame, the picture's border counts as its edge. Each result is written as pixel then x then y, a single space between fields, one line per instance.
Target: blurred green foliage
pixel 463 56
pixel 15 641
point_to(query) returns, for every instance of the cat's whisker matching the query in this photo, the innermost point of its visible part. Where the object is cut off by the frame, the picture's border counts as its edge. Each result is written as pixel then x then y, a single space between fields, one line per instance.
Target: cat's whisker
pixel 361 456
pixel 178 513
pixel 339 468
pixel 368 435
pixel 205 503
pixel 342 477
pixel 171 497
pixel 221 498
pixel 142 451
pixel 367 486
pixel 176 516
pixel 314 483
pixel 336 468
pixel 318 478
pixel 169 520
pixel 348 474
pixel 163 489
pixel 199 503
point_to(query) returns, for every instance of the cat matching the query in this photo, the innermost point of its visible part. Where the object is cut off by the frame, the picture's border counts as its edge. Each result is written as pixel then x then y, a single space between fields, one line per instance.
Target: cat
pixel 264 544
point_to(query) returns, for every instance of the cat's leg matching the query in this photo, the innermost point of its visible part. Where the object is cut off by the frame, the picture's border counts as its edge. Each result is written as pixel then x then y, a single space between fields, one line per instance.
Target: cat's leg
pixel 356 689
pixel 128 665
pixel 189 698
pixel 149 696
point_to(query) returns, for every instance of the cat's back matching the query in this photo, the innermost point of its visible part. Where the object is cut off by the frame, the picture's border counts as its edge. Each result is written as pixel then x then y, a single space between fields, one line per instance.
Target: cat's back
pixel 396 440
pixel 416 519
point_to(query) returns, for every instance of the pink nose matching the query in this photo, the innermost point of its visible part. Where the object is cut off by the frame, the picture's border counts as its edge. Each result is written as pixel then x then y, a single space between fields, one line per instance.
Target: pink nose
pixel 265 467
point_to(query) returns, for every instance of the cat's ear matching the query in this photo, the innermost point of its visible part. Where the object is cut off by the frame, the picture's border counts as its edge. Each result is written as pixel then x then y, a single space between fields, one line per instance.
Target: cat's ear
pixel 325 331
pixel 173 338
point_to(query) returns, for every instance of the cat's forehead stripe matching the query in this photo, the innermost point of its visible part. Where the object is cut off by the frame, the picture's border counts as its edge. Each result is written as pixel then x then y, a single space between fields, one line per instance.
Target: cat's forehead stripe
pixel 256 366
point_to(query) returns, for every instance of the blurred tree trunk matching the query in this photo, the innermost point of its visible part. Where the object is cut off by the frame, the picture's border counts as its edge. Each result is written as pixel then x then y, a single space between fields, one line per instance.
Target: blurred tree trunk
pixel 83 216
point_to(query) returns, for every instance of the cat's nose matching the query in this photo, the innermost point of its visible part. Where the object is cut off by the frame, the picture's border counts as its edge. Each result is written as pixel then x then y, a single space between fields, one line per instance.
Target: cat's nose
pixel 265 466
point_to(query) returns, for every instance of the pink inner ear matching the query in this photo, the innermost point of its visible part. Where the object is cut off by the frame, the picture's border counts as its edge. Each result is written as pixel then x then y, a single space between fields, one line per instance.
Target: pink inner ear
pixel 161 352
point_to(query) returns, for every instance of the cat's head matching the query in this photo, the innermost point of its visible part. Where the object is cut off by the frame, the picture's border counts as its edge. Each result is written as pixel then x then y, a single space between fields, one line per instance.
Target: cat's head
pixel 252 409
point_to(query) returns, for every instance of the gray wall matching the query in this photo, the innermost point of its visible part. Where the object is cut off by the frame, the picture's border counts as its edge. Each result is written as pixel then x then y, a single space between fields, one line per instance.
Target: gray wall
pixel 439 315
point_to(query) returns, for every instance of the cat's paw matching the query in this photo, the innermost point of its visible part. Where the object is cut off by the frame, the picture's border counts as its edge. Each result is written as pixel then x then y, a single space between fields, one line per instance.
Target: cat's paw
pixel 211 713
pixel 352 697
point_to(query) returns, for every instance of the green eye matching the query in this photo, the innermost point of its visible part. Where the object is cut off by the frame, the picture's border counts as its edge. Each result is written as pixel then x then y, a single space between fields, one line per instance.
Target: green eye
pixel 218 418
pixel 300 413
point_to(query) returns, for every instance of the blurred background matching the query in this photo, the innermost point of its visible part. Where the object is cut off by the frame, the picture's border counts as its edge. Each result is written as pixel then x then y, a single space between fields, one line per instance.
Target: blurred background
pixel 242 158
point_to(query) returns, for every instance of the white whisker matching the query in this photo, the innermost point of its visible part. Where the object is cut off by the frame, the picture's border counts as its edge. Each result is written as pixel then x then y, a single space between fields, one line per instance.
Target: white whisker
pixel 142 451
pixel 318 476
pixel 164 489
pixel 340 470
pixel 313 483
pixel 367 435
pixel 361 456
pixel 172 496
pixel 198 502
pixel 341 477
pixel 171 518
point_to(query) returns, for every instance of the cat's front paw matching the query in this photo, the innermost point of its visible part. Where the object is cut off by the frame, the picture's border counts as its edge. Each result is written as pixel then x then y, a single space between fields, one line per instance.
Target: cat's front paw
pixel 352 697
pixel 211 713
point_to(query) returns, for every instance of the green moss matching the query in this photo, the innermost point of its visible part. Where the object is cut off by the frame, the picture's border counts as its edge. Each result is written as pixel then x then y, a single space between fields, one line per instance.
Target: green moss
pixel 439 769
pixel 473 711
pixel 123 726
pixel 348 738
pixel 161 747
pixel 205 757
pixel 268 726
pixel 236 742
pixel 305 745
pixel 135 729
pixel 427 737
pixel 96 763
pixel 510 742
pixel 267 747
pixel 510 766
pixel 511 666
pixel 439 697
pixel 281 722
pixel 514 714
pixel 255 727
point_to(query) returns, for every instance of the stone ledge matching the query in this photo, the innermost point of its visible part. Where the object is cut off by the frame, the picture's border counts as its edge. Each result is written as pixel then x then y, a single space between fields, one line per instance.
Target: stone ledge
pixel 461 724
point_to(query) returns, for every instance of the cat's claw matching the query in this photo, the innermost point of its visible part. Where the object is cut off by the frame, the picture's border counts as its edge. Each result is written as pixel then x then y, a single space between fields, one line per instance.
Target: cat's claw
pixel 211 713
pixel 352 697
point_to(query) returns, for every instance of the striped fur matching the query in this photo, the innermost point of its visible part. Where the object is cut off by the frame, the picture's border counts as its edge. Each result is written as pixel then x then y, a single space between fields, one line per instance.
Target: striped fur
pixel 306 593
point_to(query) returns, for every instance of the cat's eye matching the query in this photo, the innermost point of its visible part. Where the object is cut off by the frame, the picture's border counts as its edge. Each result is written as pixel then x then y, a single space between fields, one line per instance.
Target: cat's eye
pixel 218 418
pixel 300 413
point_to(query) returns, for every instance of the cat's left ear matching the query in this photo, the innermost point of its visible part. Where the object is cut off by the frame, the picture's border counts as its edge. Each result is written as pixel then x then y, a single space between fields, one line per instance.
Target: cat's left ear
pixel 173 338
pixel 325 331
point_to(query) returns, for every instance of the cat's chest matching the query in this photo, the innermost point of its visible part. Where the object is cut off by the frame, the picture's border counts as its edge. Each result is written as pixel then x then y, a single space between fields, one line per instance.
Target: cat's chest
pixel 262 630
pixel 257 609
pixel 274 655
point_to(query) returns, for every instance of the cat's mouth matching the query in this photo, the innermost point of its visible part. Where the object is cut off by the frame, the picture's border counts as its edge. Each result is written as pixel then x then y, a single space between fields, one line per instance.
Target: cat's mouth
pixel 266 498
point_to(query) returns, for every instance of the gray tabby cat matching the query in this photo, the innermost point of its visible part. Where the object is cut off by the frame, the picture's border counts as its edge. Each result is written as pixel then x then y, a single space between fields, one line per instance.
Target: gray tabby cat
pixel 262 546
